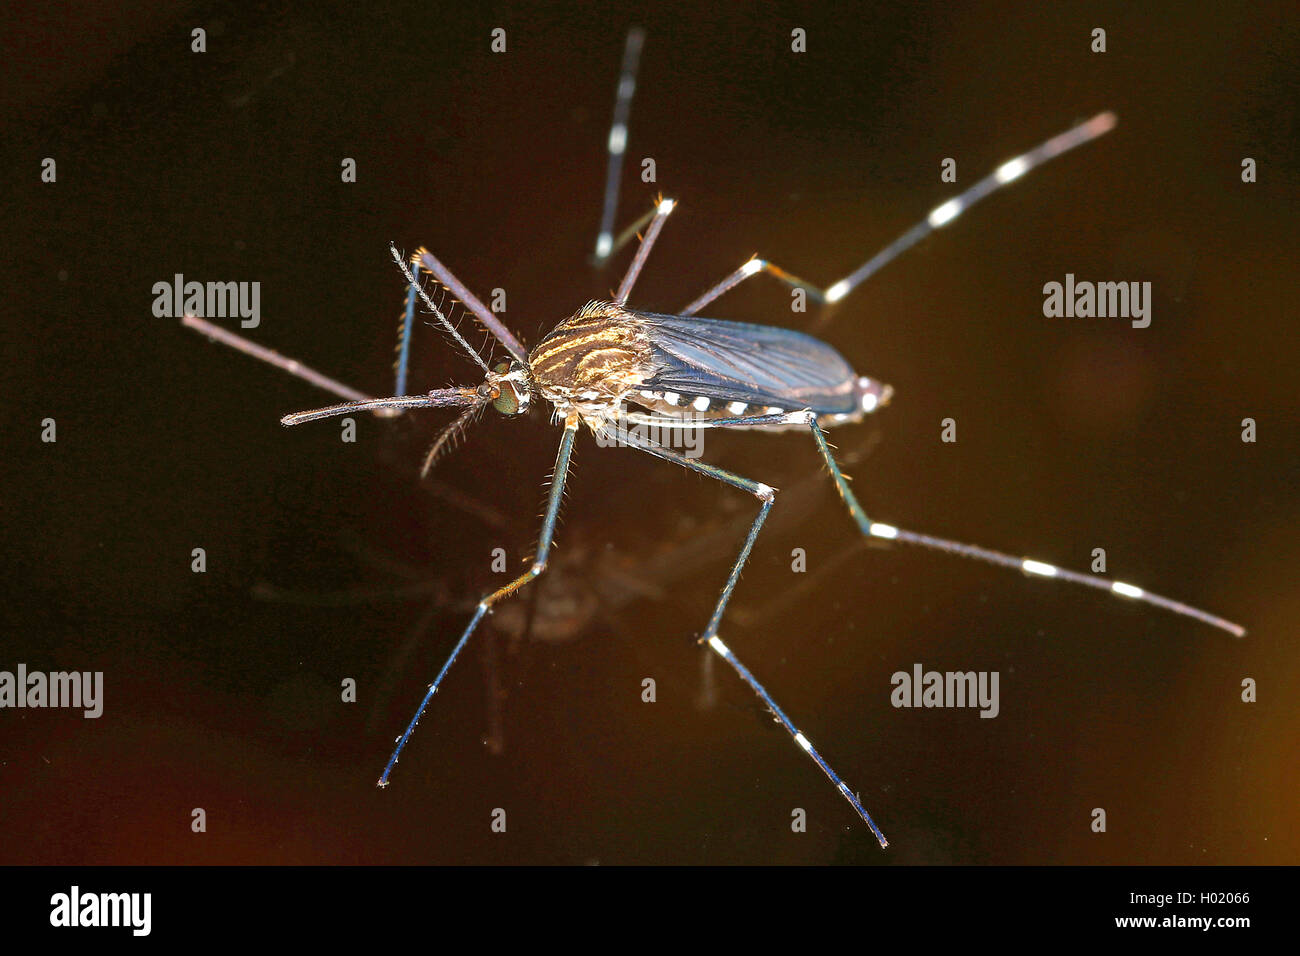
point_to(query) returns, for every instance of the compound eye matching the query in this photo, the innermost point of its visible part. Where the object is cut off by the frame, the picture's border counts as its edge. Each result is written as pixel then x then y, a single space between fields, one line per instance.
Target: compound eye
pixel 507 403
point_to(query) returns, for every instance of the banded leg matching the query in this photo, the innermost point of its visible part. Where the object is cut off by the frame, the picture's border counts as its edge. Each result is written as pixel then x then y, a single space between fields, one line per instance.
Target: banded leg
pixel 472 303
pixel 879 529
pixel 333 386
pixel 605 246
pixel 753 267
pixel 940 216
pixel 407 326
pixel 630 232
pixel 662 211
pixel 283 362
pixel 766 495
pixel 485 605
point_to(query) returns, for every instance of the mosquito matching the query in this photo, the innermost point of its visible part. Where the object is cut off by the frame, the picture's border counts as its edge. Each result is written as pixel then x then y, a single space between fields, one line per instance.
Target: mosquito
pixel 610 367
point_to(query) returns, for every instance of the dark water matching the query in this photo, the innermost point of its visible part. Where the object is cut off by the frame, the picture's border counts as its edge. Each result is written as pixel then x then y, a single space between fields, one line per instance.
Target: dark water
pixel 1073 434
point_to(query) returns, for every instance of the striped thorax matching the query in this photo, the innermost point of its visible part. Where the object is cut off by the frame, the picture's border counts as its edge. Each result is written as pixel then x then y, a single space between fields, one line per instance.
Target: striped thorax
pixel 591 361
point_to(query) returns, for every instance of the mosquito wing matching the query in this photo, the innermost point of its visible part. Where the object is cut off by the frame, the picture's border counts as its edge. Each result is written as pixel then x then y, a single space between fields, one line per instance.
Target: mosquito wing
pixel 757 364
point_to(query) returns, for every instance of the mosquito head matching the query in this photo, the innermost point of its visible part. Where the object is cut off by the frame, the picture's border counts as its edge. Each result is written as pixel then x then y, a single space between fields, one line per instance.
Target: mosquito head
pixel 508 388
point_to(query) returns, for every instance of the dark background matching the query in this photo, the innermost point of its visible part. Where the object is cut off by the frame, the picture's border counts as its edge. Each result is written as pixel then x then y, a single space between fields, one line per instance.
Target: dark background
pixel 1073 434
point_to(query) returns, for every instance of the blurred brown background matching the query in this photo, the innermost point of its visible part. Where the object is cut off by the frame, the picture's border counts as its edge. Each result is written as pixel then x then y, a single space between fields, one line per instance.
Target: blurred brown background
pixel 1073 434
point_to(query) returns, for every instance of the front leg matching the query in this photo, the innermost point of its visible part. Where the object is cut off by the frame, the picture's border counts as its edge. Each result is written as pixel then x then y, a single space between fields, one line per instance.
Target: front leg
pixel 485 605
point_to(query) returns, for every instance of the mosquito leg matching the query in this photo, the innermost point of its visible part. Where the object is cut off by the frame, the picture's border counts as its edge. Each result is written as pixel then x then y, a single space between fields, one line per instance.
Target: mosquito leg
pixel 662 211
pixel 940 216
pixel 752 267
pixel 422 258
pixel 471 302
pixel 766 495
pixel 632 231
pixel 310 375
pixel 809 583
pixel 282 362
pixel 879 529
pixel 408 323
pixel 618 141
pixel 485 605
pixel 946 212
pixel 397 662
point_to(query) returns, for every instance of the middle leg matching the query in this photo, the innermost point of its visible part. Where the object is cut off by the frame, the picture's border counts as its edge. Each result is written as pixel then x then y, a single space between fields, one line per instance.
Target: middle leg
pixel 766 496
pixel 485 605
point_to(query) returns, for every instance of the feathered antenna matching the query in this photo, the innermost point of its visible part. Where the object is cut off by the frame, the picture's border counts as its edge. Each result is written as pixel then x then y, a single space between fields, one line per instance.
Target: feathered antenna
pixel 435 311
pixel 429 263
pixel 449 436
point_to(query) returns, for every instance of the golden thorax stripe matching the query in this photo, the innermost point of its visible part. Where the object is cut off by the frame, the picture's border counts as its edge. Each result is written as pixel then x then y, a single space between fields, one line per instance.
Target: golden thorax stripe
pixel 607 358
pixel 566 343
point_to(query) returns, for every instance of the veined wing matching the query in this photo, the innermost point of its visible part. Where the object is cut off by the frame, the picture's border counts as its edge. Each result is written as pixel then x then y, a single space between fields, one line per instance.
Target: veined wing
pixel 757 364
